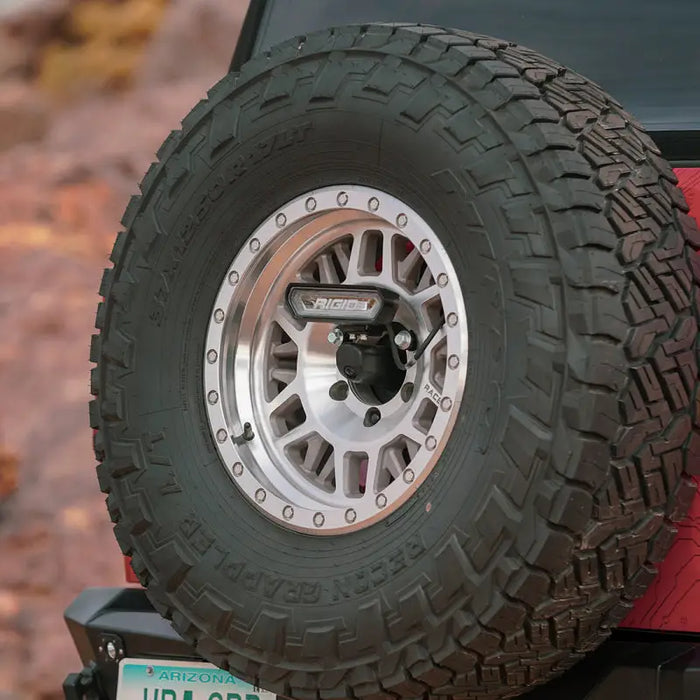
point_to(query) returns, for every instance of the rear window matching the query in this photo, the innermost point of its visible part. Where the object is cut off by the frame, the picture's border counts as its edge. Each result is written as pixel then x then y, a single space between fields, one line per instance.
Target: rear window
pixel 646 53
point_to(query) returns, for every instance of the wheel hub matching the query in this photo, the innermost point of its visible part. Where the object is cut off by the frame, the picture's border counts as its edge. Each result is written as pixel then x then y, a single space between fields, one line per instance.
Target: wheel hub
pixel 350 384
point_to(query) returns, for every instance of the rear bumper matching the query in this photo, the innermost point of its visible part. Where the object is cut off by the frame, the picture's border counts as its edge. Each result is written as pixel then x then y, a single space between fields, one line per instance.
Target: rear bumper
pixel 632 664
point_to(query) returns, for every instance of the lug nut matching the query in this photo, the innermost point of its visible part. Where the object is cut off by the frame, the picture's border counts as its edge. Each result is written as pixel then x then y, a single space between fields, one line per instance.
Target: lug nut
pixel 442 280
pixel 339 391
pixel 212 356
pixel 237 469
pixel 260 495
pixel 288 512
pixel 319 519
pixel 425 246
pixel 407 392
pixel 373 204
pixel 453 361
pixel 408 475
pixel 233 277
pixel 255 245
pixel 212 397
pixel 219 315
pixel 336 336
pixel 380 500
pixel 372 417
pixel 403 340
pixel 430 442
pixel 342 198
pixel 350 515
pixel 221 435
pixel 280 220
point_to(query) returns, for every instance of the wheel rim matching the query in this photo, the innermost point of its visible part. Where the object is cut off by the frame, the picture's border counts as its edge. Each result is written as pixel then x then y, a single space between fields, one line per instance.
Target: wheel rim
pixel 313 460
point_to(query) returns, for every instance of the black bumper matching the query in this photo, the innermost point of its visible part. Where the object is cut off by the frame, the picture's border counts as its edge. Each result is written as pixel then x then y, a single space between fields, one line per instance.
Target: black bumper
pixel 639 665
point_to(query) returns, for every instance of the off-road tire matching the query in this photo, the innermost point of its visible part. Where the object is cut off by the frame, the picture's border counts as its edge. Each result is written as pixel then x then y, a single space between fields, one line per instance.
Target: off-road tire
pixel 559 491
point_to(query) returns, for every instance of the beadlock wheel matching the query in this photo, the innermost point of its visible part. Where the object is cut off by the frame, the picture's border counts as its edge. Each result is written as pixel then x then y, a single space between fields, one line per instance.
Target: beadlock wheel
pixel 318 505
pixel 314 464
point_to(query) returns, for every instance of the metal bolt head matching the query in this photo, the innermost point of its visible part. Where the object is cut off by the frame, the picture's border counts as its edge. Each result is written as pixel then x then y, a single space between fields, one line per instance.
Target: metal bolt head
pixel 219 315
pixel 425 246
pixel 350 515
pixel 430 442
pixel 372 417
pixel 221 435
pixel 339 391
pixel 212 397
pixel 342 198
pixel 288 512
pixel 442 280
pixel 255 245
pixel 380 500
pixel 403 340
pixel 452 319
pixel 150 670
pixel 373 204
pixel 280 220
pixel 335 336
pixel 111 650
pixel 310 204
pixel 401 220
pixel 260 495
pixel 233 277
pixel 446 403
pixel 237 469
pixel 212 356
pixel 408 475
pixel 319 519
pixel 453 361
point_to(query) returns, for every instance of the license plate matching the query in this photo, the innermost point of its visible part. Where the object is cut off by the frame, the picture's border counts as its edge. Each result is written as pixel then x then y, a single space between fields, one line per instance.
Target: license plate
pixel 156 679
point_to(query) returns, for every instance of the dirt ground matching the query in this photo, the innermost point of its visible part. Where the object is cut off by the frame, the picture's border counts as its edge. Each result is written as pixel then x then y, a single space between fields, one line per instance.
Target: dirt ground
pixel 62 192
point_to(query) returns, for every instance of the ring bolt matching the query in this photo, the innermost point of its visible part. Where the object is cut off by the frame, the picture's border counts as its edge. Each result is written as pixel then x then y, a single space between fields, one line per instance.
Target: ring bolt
pixel 339 391
pixel 372 417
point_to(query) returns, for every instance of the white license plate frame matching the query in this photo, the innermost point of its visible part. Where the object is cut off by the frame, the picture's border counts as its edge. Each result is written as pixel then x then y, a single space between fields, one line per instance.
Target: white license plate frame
pixel 166 679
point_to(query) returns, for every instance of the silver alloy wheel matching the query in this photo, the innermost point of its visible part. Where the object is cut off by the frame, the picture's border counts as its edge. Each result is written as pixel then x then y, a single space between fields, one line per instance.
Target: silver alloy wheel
pixel 308 459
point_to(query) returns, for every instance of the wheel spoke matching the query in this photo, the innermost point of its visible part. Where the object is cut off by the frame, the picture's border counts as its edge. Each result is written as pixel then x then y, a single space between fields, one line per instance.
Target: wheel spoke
pixel 292 389
pixel 326 270
pixel 393 462
pixel 372 472
pixel 353 270
pixel 387 273
pixel 406 268
pixel 285 375
pixel 293 328
pixel 331 467
pixel 315 448
pixel 426 295
pixel 295 435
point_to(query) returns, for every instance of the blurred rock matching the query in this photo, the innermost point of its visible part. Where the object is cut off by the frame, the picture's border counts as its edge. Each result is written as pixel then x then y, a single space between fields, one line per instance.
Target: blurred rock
pixel 195 40
pixel 25 26
pixel 24 115
pixel 100 47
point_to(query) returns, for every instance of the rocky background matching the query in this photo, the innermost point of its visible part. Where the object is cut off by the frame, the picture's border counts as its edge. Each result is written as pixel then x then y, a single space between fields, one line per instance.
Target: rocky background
pixel 88 90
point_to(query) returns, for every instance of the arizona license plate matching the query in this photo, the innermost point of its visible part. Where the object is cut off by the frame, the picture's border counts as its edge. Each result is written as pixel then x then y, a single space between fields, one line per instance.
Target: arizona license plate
pixel 156 679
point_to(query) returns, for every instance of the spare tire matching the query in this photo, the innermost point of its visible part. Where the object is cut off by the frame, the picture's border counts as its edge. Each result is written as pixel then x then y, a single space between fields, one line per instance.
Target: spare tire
pixel 472 497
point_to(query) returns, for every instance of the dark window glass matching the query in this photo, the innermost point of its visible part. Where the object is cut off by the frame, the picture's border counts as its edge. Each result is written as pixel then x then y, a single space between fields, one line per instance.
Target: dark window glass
pixel 646 53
